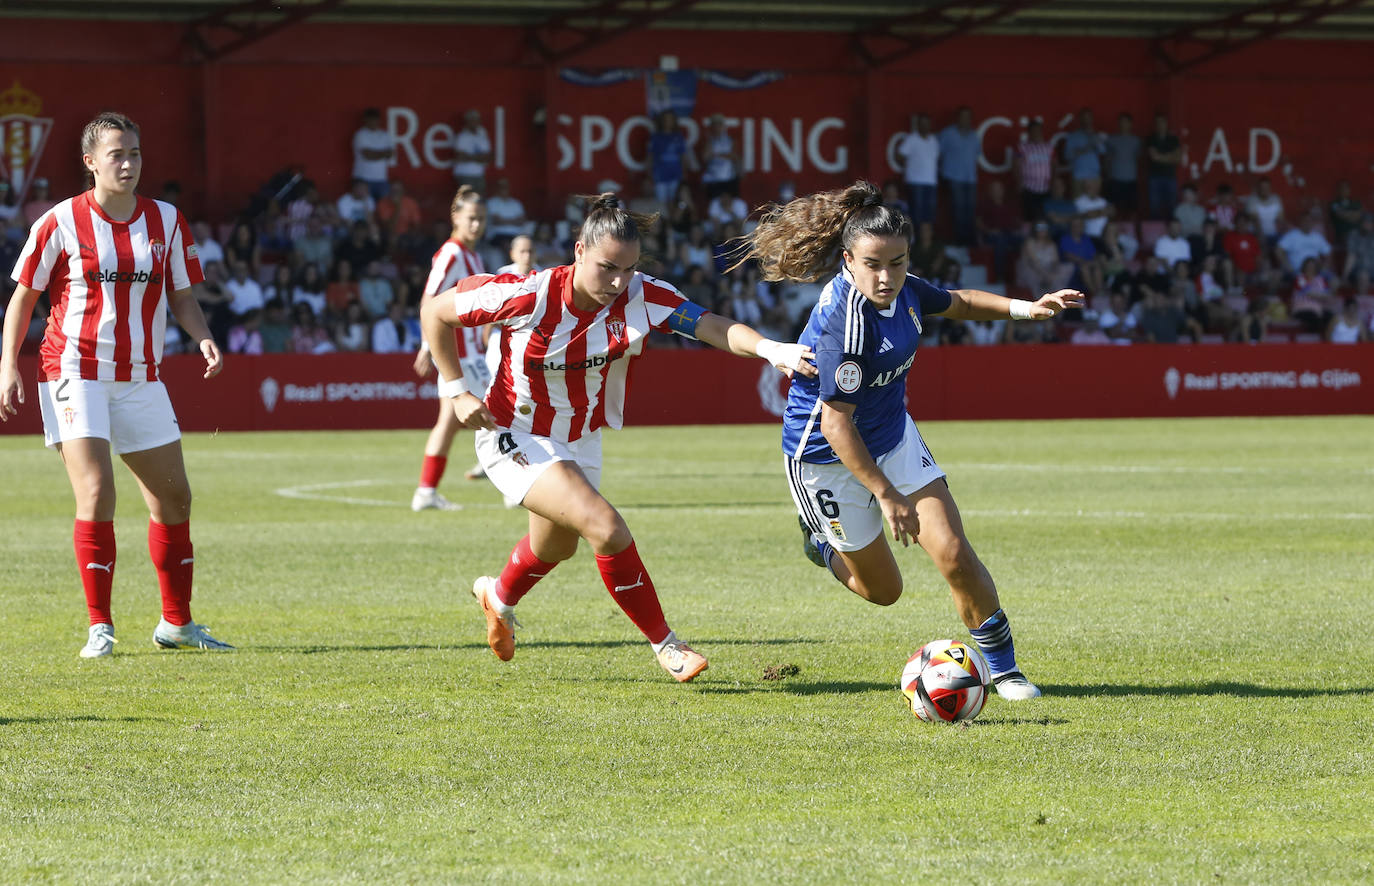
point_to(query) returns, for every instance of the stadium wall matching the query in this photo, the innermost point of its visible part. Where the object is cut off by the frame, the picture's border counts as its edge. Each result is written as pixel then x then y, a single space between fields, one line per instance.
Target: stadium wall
pixel 362 391
pixel 1286 108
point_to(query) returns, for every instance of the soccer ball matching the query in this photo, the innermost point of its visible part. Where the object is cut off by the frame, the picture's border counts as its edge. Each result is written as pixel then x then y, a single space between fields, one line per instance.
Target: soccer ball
pixel 946 681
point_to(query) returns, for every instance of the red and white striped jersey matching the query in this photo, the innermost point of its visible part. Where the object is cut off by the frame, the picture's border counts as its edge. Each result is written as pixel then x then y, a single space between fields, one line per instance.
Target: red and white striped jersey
pixel 563 372
pixel 107 282
pixel 452 263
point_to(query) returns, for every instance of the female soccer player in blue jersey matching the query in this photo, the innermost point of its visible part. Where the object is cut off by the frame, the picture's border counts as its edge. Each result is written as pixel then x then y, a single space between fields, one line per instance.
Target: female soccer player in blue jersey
pixel 853 455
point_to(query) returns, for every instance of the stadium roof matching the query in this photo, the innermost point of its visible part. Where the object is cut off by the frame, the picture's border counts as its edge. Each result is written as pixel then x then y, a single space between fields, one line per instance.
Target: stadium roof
pixel 1185 31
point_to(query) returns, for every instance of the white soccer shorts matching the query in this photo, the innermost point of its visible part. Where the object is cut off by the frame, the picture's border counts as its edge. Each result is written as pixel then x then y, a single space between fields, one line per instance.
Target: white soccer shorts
pixel 514 460
pixel 838 507
pixel 132 415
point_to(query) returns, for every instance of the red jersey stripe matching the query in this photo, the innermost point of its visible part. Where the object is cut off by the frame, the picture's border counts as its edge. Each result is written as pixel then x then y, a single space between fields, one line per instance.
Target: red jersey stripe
pixel 153 295
pixel 45 233
pixel 576 379
pixel 95 290
pixel 124 264
pixel 560 285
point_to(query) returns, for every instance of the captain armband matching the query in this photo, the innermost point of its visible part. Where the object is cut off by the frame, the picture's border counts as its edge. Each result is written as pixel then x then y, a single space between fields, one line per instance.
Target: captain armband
pixel 685 318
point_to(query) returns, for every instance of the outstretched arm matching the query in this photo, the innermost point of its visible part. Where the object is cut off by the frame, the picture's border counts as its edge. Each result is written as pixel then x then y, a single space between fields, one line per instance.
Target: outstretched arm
pixel 975 304
pixel 744 341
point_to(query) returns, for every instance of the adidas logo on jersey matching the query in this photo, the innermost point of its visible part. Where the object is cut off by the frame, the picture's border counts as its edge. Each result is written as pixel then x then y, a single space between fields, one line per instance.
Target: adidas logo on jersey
pixel 109 275
pixel 885 346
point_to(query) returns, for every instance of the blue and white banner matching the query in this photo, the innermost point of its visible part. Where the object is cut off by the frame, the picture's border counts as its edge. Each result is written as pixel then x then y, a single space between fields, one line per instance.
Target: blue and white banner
pixel 674 91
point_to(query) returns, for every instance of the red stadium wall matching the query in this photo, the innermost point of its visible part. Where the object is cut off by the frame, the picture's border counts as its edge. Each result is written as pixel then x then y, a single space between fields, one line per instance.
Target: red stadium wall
pixel 348 391
pixel 1286 108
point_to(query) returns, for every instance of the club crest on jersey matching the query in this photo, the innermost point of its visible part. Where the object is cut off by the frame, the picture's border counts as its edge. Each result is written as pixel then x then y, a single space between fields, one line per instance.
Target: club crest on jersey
pixel 915 318
pixel 616 328
pixel 68 415
pixel 848 376
pixel 837 530
pixel 159 249
pixel 520 458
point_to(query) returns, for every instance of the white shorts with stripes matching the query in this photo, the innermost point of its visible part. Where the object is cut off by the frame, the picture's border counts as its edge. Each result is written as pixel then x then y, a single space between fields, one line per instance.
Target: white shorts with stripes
pixel 513 460
pixel 131 415
pixel 836 506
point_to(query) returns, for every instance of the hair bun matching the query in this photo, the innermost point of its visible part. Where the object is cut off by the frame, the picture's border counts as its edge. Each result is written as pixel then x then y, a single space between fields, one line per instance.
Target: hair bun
pixel 606 200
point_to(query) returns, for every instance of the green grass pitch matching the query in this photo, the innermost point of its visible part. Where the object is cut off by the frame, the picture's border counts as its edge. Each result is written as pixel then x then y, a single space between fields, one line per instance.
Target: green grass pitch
pixel 1196 597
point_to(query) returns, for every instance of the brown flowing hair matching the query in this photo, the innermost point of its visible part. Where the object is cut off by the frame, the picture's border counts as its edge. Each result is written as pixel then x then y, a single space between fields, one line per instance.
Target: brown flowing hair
pixel 801 239
pixel 607 217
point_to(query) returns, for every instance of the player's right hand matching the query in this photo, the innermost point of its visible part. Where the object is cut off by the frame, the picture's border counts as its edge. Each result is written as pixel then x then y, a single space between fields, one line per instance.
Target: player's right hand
pixel 900 513
pixel 11 393
pixel 472 412
pixel 422 362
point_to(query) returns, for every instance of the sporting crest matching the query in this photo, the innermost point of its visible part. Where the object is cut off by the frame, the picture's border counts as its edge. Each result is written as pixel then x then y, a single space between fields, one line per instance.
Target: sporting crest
pixel 616 328
pixel 23 135
pixel 158 249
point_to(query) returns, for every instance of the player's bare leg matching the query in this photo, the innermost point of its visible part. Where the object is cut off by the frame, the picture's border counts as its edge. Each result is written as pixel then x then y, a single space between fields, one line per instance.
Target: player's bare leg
pixel 971 585
pixel 871 572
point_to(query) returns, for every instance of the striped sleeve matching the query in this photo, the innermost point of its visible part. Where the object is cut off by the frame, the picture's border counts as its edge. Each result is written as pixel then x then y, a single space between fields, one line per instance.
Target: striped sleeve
pixel 494 298
pixel 41 254
pixel 183 262
pixel 661 299
pixel 439 268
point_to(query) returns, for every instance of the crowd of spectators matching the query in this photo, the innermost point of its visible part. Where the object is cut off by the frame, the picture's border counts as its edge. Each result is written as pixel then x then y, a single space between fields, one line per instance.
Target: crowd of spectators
pixel 305 273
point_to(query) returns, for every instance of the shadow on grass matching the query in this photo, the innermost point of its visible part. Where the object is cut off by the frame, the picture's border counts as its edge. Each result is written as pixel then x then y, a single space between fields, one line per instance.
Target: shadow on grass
pixel 533 644
pixel 786 687
pixel 1243 690
pixel 80 718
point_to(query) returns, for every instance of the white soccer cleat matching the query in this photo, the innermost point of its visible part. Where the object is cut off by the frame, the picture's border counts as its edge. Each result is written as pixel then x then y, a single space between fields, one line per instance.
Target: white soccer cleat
pixel 476 472
pixel 430 499
pixel 1013 686
pixel 99 642
pixel 187 636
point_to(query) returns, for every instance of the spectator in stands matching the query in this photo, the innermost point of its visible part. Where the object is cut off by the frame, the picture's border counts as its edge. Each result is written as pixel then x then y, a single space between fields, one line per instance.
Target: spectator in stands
pixel 1040 269
pixel 723 245
pixel 40 201
pixel 1224 207
pixel 726 208
pixel 374 291
pixel 245 293
pixel 1253 326
pixel 1359 249
pixel 1123 167
pixel 392 333
pixel 1299 244
pixel 1312 301
pixel 521 257
pixel 960 147
pixel 1267 209
pixel 342 289
pixel 1189 213
pixel 314 247
pixel 1090 332
pixel 275 328
pixel 1083 149
pixel 1163 320
pixel 357 204
pixel 1034 169
pixel 1164 153
pixel 398 216
pixel 214 301
pixel 243 247
pixel 1244 249
pixel 472 153
pixel 244 337
pixel 1211 294
pixel 1211 244
pixel 892 196
pixel 1111 255
pixel 667 156
pixel 505 216
pixel 1173 247
pixel 950 275
pixel 359 250
pixel 696 252
pixel 682 215
pixel 999 227
pixel 720 161
pixel 11 213
pixel 919 153
pixel 309 289
pixel 548 252
pixel 299 210
pixel 307 335
pixel 1077 248
pixel 171 192
pixel 1059 210
pixel 928 253
pixel 373 149
pixel 647 203
pixel 1093 209
pixel 282 285
pixel 1118 321
pixel 207 247
pixel 274 233
pixel 352 332
pixel 1347 327
pixel 1152 279
pixel 1345 211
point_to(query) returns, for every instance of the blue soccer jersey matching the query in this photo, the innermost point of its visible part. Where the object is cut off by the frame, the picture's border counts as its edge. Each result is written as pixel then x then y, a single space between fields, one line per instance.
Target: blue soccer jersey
pixel 863 355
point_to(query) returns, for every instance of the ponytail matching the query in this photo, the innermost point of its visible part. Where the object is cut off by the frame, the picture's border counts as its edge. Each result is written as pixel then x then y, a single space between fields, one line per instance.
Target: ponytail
pixel 607 217
pixel 466 194
pixel 801 240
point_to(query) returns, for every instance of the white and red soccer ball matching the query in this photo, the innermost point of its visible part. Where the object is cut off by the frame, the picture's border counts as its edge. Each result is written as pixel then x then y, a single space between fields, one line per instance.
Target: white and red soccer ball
pixel 946 681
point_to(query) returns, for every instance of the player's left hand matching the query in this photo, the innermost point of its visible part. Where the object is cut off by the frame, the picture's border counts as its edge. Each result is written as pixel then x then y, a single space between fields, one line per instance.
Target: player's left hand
pixel 1052 303
pixel 214 360
pixel 790 357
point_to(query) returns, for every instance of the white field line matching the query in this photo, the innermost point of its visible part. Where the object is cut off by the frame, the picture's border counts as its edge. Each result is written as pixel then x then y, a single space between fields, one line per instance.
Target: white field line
pixel 318 492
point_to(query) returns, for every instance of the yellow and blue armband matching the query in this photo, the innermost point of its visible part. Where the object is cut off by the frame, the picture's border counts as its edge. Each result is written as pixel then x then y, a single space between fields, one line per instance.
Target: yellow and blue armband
pixel 684 320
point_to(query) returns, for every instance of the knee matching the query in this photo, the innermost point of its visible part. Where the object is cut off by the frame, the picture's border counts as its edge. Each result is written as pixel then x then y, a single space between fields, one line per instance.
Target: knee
pixel 174 504
pixel 883 591
pixel 955 558
pixel 606 532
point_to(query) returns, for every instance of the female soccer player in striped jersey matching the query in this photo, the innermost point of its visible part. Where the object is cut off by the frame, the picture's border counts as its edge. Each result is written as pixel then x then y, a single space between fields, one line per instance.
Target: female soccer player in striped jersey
pixel 456 260
pixel 567 337
pixel 109 259
pixel 853 456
